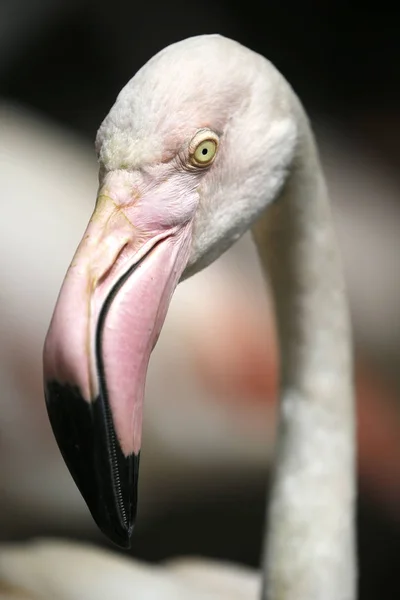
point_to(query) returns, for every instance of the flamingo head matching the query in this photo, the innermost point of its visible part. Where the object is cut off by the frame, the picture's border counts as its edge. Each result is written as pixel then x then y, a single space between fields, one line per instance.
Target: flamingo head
pixel 194 148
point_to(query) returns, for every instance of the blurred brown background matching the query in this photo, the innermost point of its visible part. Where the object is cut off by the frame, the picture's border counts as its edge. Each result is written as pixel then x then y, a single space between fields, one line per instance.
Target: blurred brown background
pixel 211 394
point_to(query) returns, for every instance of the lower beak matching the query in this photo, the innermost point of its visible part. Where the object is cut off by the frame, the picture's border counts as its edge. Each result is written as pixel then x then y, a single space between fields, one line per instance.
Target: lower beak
pixel 106 322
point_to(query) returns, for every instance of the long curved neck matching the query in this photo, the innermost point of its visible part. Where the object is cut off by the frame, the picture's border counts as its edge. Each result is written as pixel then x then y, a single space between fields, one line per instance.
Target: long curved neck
pixel 309 551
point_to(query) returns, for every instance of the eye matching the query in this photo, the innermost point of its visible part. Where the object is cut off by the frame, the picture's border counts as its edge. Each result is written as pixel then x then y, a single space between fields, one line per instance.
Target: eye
pixel 203 148
pixel 205 152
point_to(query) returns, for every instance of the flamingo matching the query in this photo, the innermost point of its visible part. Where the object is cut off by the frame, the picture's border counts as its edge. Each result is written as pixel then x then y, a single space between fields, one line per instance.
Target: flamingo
pixel 205 142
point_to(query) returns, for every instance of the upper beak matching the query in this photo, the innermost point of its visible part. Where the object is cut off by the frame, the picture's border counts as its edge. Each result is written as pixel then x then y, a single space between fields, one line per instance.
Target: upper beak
pixel 106 322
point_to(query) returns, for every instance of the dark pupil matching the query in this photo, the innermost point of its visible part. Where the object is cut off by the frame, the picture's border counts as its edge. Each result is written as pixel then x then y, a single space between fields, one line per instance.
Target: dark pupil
pixel 204 151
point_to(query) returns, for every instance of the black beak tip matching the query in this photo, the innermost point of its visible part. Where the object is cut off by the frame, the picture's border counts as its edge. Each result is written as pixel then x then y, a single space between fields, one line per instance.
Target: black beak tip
pixel 121 537
pixel 105 477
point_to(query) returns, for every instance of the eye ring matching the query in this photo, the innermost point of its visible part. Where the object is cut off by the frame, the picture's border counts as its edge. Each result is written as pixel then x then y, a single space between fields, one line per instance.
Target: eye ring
pixel 203 148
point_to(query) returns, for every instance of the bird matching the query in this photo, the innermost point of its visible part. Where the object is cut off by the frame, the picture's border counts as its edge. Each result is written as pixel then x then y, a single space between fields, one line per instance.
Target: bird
pixel 207 141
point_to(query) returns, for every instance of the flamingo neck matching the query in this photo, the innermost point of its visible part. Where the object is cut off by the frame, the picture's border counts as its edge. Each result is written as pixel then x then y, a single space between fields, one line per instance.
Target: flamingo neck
pixel 309 550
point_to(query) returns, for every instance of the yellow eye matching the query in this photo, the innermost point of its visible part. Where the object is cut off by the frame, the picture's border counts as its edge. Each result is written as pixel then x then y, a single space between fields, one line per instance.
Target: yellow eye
pixel 204 153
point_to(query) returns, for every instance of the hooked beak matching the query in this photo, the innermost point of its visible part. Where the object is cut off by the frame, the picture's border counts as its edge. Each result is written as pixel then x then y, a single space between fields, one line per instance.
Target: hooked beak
pixel 108 317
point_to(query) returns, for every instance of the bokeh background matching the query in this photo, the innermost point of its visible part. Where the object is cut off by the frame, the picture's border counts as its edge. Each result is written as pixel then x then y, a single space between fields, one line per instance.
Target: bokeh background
pixel 211 392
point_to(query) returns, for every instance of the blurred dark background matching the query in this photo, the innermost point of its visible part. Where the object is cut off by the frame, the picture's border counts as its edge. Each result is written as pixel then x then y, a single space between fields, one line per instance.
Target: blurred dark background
pixel 67 59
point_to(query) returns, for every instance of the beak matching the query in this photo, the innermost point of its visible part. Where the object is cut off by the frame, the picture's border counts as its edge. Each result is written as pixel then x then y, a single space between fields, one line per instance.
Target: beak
pixel 108 317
